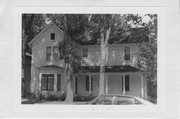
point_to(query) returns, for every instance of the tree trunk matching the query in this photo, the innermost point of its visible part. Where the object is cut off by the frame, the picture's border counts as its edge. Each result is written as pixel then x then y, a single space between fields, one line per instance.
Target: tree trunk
pixel 103 61
pixel 101 81
pixel 69 92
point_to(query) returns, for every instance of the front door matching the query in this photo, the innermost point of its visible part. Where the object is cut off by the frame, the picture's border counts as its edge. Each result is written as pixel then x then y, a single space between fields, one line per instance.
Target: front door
pixel 114 84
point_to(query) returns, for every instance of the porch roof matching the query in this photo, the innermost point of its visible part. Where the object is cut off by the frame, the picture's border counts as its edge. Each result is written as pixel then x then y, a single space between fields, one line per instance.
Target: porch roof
pixel 50 66
pixel 111 69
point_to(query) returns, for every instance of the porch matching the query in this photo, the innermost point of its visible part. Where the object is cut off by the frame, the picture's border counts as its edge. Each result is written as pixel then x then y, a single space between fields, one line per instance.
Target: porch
pixel 125 83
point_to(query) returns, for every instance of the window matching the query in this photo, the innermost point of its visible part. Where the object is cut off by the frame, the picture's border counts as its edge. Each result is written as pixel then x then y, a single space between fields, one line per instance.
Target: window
pixel 48 53
pixel 127 53
pixel 47 82
pixel 58 82
pixel 87 83
pixel 52 52
pixel 55 52
pixel 85 52
pixel 127 83
pixel 52 36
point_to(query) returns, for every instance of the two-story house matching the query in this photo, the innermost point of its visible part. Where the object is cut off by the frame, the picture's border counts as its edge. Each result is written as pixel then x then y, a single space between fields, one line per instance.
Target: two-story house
pixel 48 73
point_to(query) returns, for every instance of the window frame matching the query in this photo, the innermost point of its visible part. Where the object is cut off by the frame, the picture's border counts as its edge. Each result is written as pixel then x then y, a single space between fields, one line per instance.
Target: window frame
pixel 127 53
pixel 84 51
pixel 52 35
pixel 53 53
pixel 48 54
pixel 47 82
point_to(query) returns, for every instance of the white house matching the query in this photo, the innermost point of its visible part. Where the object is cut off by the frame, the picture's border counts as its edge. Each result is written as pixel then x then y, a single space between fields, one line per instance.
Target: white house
pixel 48 73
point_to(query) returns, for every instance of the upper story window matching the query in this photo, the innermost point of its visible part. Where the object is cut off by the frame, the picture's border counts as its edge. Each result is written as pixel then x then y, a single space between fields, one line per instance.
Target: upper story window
pixel 52 36
pixel 127 53
pixel 55 52
pixel 48 53
pixel 52 53
pixel 85 52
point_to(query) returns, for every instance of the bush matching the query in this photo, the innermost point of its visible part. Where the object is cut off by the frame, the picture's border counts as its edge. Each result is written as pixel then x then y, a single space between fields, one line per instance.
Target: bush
pixel 62 97
pixel 34 98
pixel 84 98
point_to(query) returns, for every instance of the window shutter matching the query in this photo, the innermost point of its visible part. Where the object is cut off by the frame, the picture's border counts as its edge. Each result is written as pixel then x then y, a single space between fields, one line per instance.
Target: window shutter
pixel 127 83
pixel 91 83
pixel 58 82
pixel 87 83
pixel 76 85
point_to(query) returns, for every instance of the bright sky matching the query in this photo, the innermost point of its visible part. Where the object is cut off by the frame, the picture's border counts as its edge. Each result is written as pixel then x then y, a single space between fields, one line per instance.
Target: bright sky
pixel 145 19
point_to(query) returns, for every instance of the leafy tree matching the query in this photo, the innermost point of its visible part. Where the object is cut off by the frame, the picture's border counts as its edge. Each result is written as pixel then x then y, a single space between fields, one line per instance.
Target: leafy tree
pixel 147 55
pixel 105 29
pixel 73 27
pixel 31 25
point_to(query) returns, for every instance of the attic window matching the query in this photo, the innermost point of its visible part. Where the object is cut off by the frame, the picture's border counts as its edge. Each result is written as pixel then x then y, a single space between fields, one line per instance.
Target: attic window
pixel 52 36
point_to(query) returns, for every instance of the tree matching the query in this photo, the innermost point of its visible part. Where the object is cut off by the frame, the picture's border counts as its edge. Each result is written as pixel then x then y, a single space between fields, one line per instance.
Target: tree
pixel 107 21
pixel 32 24
pixel 147 55
pixel 106 28
pixel 69 51
pixel 70 54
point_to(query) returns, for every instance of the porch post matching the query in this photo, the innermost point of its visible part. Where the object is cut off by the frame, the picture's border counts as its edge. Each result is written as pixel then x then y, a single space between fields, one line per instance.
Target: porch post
pixel 89 84
pixel 106 83
pixel 123 78
pixel 142 86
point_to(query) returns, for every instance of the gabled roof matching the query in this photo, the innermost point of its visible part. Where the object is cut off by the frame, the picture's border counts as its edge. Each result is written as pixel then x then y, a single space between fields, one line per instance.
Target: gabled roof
pixel 131 38
pixel 46 28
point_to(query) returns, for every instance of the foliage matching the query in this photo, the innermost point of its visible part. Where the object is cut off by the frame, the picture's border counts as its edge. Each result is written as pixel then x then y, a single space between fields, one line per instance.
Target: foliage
pixel 84 98
pixel 147 55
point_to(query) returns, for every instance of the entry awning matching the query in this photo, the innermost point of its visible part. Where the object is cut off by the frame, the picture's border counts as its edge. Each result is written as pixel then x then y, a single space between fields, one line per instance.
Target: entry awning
pixel 111 69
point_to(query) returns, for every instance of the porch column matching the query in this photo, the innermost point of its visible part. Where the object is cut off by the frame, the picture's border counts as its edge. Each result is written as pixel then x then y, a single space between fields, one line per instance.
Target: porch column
pixel 142 86
pixel 89 84
pixel 123 78
pixel 106 79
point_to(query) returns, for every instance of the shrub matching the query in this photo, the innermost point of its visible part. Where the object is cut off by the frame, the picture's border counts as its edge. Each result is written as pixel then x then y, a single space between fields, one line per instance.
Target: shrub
pixel 84 98
pixel 62 97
